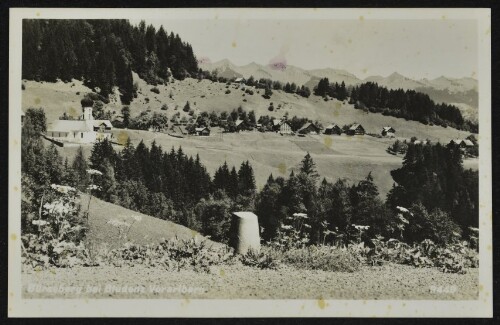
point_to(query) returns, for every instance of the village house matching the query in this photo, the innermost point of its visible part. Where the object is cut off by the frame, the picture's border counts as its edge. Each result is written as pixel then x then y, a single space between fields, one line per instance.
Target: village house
pixel 356 129
pixel 424 142
pixel 202 131
pixel 333 129
pixel 239 80
pixel 388 131
pixel 282 126
pixel 309 128
pixel 462 144
pixel 83 130
pixel 240 125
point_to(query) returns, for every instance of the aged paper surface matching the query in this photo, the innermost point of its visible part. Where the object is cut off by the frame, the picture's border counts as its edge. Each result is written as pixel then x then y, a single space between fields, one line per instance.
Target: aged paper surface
pixel 312 260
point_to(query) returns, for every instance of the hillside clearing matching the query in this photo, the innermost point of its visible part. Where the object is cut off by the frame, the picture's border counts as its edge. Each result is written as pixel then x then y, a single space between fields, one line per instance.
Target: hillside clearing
pixel 351 158
pixel 149 230
pixel 205 95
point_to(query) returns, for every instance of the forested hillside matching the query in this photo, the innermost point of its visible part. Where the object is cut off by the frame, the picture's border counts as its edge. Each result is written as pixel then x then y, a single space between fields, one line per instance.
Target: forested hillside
pixel 103 53
pixel 408 104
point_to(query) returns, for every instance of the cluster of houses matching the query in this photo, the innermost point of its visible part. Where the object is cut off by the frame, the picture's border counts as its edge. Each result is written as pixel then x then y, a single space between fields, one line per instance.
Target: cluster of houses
pixel 88 130
pixel 461 143
pixel 283 126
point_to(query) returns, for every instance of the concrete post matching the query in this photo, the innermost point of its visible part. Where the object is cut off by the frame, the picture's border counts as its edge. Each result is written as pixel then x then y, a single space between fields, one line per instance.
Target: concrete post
pixel 244 232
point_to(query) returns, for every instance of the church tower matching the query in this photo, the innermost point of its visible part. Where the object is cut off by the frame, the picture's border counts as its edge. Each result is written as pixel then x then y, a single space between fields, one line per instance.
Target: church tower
pixel 87 113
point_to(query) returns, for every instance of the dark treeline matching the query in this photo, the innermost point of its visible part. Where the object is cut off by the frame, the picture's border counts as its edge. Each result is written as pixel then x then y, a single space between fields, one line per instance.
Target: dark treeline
pixel 408 104
pixel 103 53
pixel 442 196
pixel 434 175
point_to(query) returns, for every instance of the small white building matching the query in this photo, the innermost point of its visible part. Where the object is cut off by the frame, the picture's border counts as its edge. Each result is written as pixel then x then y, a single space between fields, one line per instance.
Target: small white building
pixel 83 130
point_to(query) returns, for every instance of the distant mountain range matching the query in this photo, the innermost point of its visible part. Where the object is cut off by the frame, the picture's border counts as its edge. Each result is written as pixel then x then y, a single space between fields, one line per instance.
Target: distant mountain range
pixel 460 91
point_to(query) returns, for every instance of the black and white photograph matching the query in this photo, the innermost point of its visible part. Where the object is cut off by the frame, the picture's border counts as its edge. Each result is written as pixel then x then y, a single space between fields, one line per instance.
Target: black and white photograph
pixel 250 162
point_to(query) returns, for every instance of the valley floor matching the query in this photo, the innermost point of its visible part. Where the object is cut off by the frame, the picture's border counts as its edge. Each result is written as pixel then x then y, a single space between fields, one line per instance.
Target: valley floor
pixel 390 281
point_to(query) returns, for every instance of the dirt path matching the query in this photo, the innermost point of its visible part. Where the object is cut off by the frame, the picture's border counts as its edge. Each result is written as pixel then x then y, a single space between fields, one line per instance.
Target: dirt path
pixel 385 282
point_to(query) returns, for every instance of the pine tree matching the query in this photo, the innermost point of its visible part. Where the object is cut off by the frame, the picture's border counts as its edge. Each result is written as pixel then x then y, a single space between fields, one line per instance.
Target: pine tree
pixel 221 178
pixel 308 167
pixel 246 183
pixel 232 188
pixel 79 167
pixel 126 116
pixel 107 182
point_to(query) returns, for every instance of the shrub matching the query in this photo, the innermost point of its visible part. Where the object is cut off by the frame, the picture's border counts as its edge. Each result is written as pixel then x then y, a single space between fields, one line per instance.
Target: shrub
pixel 227 91
pixel 23 87
pixel 96 97
pixel 174 255
pixel 155 90
pixel 436 225
pixel 164 107
pixel 325 258
pixel 87 102
pixel 453 258
pixel 59 234
pixel 214 214
pixel 266 258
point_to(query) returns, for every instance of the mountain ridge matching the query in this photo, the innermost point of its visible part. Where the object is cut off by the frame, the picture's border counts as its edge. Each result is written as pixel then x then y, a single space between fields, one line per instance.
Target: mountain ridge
pixel 441 82
pixel 441 89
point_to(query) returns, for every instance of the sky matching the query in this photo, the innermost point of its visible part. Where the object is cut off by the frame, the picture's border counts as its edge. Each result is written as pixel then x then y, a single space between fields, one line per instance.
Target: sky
pixel 414 48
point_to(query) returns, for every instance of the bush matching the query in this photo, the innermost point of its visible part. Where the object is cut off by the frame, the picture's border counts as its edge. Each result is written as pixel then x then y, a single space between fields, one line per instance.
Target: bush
pixel 173 255
pixel 436 226
pixel 23 87
pixel 87 102
pixel 164 107
pixel 325 258
pixel 214 215
pixel 60 231
pixel 266 258
pixel 96 97
pixel 227 91
pixel 155 90
pixel 453 258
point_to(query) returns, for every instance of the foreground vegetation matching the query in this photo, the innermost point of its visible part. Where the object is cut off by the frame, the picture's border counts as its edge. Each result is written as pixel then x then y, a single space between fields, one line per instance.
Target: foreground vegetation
pixel 330 227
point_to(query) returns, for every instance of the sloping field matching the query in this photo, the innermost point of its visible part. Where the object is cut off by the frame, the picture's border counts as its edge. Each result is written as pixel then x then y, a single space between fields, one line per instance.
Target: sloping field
pixel 146 231
pixel 335 156
pixel 204 95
